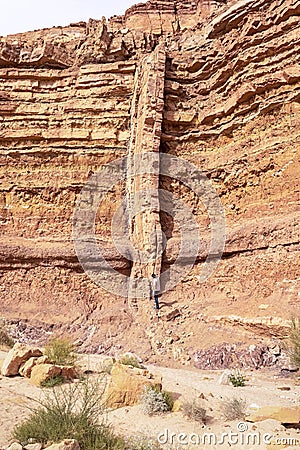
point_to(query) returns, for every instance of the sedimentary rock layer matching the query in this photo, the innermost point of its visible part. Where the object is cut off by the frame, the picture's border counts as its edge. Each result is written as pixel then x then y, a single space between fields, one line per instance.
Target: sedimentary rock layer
pixel 217 84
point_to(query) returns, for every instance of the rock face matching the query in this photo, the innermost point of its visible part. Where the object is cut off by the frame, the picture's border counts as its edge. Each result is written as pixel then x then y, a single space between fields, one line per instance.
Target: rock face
pixel 217 84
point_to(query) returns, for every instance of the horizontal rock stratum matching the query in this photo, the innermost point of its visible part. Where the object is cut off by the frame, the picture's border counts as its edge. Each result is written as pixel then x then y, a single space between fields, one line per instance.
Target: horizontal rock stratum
pixel 215 83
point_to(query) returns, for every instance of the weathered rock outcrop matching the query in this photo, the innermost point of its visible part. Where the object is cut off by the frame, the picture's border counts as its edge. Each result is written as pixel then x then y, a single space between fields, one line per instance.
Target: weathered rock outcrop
pixel 215 83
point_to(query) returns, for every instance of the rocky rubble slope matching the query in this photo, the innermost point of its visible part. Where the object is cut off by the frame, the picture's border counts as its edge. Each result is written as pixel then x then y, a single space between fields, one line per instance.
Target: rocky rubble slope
pixel 217 84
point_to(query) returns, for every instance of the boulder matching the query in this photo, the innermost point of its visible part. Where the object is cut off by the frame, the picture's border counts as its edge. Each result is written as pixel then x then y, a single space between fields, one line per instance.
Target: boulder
pixel 283 414
pixel 17 356
pixel 15 446
pixel 177 406
pixel 43 372
pixel 224 377
pixel 127 384
pixel 36 446
pixel 172 315
pixel 66 444
pixel 26 368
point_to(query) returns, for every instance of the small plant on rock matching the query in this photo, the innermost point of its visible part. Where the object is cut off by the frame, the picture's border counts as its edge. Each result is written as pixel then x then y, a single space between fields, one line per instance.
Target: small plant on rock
pixel 60 351
pixel 130 360
pixel 234 408
pixel 55 380
pixel 237 379
pixel 154 401
pixel 194 411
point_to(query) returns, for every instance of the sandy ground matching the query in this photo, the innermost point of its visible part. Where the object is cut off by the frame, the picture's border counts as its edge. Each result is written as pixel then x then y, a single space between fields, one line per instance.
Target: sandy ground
pixel 262 389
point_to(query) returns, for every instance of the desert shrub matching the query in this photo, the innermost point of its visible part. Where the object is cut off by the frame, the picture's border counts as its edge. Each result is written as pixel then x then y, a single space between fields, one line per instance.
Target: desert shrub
pixel 194 411
pixel 70 411
pixel 60 351
pixel 168 398
pixel 130 360
pixel 294 341
pixel 54 380
pixel 154 401
pixel 234 408
pixel 237 379
pixel 142 442
pixel 5 338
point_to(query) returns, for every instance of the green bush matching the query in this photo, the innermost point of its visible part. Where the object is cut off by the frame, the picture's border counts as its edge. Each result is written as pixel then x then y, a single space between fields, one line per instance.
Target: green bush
pixel 5 338
pixel 60 351
pixel 54 380
pixel 234 408
pixel 154 401
pixel 71 411
pixel 168 398
pixel 194 411
pixel 237 379
pixel 130 360
pixel 294 341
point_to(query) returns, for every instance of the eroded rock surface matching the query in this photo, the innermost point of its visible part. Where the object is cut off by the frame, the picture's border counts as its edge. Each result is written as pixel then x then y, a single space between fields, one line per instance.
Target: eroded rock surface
pixel 217 84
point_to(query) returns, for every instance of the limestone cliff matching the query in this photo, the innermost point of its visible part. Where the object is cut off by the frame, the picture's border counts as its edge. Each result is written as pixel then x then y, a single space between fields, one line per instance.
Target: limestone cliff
pixel 216 83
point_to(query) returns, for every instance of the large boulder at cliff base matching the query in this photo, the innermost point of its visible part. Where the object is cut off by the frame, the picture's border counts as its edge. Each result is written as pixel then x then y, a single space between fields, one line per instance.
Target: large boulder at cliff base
pixel 26 368
pixel 127 384
pixel 18 355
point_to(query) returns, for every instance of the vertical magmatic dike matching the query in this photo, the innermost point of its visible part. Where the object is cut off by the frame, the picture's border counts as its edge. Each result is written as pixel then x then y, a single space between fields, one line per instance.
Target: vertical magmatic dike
pixel 144 228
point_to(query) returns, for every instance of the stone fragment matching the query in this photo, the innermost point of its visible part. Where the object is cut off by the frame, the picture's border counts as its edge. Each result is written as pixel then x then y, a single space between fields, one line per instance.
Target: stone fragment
pixel 19 354
pixel 126 386
pixel 224 378
pixel 15 446
pixel 36 446
pixel 177 406
pixel 172 315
